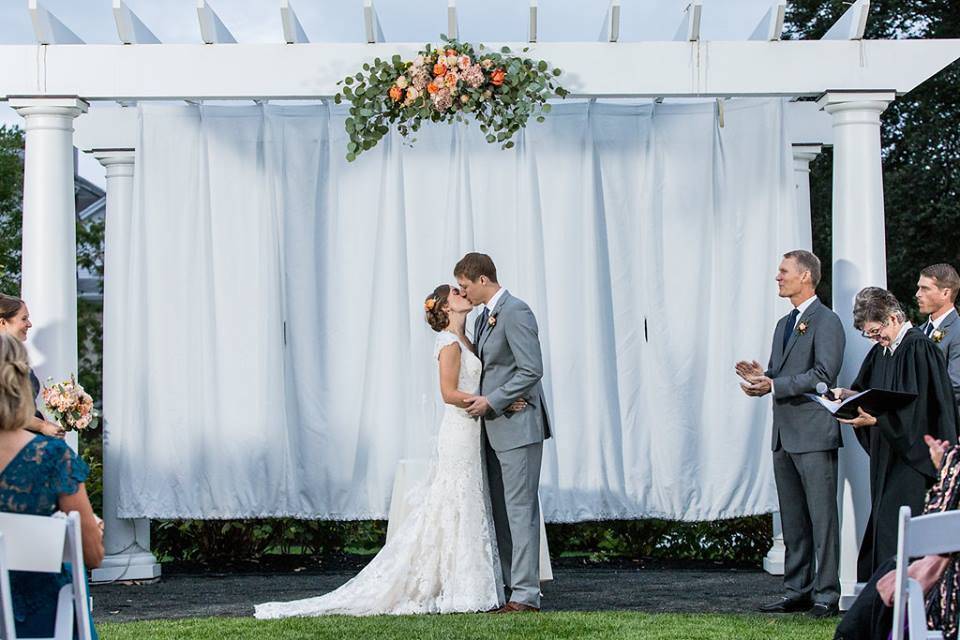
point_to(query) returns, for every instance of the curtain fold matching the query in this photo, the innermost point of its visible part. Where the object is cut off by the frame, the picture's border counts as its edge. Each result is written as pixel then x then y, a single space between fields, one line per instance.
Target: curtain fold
pixel 270 357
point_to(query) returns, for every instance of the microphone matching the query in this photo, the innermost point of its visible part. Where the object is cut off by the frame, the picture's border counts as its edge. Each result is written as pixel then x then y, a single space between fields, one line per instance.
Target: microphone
pixel 822 388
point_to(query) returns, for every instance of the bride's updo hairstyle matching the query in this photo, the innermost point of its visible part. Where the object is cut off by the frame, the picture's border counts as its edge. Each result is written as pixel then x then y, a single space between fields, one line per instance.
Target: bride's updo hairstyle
pixel 437 318
pixel 16 395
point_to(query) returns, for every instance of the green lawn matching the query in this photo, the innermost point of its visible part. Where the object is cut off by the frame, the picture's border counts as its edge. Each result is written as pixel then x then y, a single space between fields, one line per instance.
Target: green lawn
pixel 509 627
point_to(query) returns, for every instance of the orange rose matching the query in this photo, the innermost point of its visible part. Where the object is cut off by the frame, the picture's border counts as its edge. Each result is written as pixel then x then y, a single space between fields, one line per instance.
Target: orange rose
pixel 439 69
pixel 496 78
pixel 432 88
pixel 396 93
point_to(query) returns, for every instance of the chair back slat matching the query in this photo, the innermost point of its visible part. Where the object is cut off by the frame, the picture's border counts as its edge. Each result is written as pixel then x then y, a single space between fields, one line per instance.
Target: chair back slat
pixel 33 543
pixel 933 534
pixel 7 630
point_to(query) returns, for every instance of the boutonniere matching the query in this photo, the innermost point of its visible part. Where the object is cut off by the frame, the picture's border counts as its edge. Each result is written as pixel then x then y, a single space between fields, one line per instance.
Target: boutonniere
pixel 802 327
pixel 492 321
pixel 937 336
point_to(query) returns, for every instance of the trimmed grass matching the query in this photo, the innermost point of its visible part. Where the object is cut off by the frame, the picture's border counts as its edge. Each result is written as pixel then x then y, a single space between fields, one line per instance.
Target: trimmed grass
pixel 561 625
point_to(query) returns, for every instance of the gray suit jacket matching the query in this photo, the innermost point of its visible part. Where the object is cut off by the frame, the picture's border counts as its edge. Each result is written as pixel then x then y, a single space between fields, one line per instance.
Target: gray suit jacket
pixel 799 424
pixel 512 368
pixel 950 345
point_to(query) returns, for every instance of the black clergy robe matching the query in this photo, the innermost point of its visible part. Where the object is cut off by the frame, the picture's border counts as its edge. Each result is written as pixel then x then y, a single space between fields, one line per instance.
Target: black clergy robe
pixel 900 466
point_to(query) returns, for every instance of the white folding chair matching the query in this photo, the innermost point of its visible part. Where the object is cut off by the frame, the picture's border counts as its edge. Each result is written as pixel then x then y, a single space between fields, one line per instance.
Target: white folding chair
pixel 7 623
pixel 934 533
pixel 41 544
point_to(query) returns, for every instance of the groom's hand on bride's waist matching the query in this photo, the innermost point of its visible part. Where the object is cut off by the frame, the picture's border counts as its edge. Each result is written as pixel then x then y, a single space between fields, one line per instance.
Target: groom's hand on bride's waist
pixel 477 406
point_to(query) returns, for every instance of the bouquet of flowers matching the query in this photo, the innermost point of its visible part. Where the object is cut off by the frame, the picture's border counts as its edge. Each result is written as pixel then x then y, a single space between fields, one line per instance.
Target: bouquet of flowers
pixel 500 90
pixel 70 406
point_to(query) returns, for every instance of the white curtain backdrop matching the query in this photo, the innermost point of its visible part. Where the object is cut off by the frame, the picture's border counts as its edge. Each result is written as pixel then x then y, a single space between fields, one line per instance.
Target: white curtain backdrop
pixel 271 357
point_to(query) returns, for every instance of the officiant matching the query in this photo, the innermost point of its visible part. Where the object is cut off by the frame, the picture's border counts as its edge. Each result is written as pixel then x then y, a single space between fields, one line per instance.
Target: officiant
pixel 904 360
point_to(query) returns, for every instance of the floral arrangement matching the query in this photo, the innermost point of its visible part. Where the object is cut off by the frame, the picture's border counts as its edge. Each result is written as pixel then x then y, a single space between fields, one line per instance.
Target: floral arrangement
pixel 500 90
pixel 70 406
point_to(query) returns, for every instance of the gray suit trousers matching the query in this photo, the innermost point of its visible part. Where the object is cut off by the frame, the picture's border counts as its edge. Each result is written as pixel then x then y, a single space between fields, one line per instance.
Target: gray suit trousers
pixel 807 488
pixel 514 479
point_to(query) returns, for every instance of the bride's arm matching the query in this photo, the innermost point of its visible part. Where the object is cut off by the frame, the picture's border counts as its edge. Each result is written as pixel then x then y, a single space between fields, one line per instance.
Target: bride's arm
pixel 450 375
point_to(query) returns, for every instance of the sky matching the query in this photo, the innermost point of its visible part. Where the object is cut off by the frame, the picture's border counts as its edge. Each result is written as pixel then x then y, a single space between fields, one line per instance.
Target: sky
pixel 175 21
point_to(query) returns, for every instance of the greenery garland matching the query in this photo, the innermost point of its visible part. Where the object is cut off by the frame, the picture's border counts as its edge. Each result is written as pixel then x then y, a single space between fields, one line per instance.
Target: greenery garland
pixel 500 90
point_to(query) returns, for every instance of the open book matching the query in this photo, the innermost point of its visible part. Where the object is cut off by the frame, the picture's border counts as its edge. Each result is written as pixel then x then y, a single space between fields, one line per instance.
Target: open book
pixel 874 401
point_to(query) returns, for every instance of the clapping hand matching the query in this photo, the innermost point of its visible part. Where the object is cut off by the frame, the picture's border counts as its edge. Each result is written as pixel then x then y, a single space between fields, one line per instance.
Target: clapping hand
pixel 938 449
pixel 756 383
pixel 862 420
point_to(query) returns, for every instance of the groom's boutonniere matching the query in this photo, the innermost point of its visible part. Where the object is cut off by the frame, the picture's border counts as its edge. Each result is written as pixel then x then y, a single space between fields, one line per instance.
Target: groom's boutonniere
pixel 492 321
pixel 937 336
pixel 802 327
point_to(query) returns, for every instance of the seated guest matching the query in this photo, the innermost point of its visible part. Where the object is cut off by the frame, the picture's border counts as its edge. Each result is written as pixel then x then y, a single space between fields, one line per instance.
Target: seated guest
pixel 900 468
pixel 871 616
pixel 39 475
pixel 15 321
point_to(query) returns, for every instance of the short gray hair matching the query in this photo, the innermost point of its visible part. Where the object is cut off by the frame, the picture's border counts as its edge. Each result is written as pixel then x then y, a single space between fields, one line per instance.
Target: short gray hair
pixel 807 262
pixel 874 304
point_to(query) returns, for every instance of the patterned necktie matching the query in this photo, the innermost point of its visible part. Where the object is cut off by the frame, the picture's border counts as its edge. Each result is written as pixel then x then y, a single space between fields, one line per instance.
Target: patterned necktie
pixel 483 322
pixel 788 329
pixel 927 330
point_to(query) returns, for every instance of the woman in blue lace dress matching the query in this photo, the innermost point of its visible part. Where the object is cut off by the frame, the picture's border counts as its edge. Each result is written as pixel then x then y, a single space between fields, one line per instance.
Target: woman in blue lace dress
pixel 39 475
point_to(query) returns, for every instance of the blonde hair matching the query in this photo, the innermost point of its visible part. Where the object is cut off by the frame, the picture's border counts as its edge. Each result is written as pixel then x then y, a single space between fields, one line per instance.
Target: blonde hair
pixel 16 393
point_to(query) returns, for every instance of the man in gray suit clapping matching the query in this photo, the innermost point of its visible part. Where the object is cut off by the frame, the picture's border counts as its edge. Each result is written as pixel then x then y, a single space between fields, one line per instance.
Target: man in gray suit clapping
pixel 807 349
pixel 936 295
pixel 508 346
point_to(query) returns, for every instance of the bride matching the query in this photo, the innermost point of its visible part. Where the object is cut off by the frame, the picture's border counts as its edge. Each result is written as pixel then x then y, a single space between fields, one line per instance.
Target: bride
pixel 444 557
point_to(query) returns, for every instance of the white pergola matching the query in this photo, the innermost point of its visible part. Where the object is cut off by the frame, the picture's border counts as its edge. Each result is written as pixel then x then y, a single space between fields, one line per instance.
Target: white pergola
pixel 52 83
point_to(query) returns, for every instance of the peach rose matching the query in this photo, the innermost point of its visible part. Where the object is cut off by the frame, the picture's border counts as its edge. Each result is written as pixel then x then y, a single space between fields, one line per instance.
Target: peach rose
pixel 396 93
pixel 464 62
pixel 496 78
pixel 450 52
pixel 412 94
pixel 432 88
pixel 450 80
pixel 439 69
pixel 402 82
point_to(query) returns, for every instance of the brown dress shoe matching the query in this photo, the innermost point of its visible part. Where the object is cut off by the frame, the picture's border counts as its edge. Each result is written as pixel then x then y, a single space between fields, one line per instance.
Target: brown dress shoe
pixel 516 607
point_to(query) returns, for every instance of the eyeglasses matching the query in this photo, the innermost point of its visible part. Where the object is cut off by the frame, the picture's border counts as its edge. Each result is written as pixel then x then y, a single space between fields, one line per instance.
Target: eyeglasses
pixel 873 334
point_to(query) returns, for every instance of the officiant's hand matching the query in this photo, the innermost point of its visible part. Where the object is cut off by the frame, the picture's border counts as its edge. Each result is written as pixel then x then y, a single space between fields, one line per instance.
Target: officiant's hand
pixel 477 406
pixel 862 420
pixel 842 394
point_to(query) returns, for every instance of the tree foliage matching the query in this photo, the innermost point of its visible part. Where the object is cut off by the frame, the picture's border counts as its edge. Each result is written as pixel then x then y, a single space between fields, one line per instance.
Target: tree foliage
pixel 921 145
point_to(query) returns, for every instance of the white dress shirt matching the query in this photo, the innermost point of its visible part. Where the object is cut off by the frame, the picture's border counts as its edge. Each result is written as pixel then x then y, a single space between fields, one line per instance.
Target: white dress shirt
pixel 936 322
pixel 896 343
pixel 492 303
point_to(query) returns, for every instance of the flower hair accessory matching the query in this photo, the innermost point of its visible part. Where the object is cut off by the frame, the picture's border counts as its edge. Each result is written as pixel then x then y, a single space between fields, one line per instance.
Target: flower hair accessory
pixel 430 304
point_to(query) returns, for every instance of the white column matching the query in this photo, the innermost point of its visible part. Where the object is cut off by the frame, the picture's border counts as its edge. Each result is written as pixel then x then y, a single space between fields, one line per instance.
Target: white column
pixel 859 260
pixel 49 259
pixel 126 541
pixel 803 155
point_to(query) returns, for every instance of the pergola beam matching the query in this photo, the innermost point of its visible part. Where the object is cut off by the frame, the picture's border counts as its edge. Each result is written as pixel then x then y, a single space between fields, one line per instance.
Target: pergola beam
pixel 610 32
pixel 453 27
pixel 532 32
pixel 47 27
pixel 770 27
pixel 130 28
pixel 852 24
pixel 371 23
pixel 212 29
pixel 279 71
pixel 689 29
pixel 293 32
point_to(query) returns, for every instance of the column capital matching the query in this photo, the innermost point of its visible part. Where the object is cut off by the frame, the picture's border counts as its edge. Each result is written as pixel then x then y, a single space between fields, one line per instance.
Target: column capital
pixel 806 152
pixel 834 101
pixel 62 106
pixel 117 162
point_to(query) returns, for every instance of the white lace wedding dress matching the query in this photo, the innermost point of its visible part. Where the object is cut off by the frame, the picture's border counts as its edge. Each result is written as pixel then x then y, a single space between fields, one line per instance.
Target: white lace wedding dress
pixel 444 557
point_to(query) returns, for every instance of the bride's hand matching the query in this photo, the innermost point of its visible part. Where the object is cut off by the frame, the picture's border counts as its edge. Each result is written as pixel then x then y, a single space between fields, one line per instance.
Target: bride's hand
pixel 517 405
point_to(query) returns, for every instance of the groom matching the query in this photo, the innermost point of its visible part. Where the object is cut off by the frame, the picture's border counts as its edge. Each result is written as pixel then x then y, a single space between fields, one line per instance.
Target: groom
pixel 509 348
